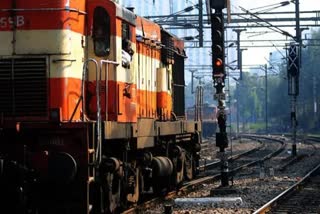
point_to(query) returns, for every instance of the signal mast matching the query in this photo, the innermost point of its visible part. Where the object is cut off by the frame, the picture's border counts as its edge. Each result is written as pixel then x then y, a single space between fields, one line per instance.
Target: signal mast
pixel 218 75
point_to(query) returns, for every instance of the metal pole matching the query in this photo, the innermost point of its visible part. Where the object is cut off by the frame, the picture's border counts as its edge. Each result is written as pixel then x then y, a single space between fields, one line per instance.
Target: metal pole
pixel 200 24
pixel 314 95
pixel 266 96
pixel 237 91
pixel 192 75
pixel 239 51
pixel 240 64
pixel 294 125
pixel 298 32
pixel 294 98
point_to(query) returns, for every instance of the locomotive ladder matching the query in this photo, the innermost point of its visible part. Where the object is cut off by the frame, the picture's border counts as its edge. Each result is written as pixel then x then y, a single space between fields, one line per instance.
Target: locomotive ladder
pixel 95 147
pixel 92 160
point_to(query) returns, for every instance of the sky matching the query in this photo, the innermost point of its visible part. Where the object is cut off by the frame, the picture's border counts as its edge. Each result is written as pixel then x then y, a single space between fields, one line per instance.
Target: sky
pixel 254 56
pixel 260 55
pixel 251 56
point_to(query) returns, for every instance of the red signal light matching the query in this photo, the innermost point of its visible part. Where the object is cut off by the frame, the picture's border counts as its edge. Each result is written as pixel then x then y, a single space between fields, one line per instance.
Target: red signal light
pixel 218 63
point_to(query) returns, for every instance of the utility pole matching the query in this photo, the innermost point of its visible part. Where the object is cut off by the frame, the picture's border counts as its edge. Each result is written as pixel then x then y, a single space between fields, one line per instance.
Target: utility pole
pixel 200 23
pixel 239 51
pixel 298 31
pixel 239 66
pixel 314 81
pixel 266 95
pixel 192 76
pixel 238 110
pixel 238 82
pixel 293 88
pixel 295 78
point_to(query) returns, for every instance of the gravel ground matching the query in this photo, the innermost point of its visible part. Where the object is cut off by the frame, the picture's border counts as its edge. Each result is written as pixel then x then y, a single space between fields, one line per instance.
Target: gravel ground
pixel 254 185
pixel 236 147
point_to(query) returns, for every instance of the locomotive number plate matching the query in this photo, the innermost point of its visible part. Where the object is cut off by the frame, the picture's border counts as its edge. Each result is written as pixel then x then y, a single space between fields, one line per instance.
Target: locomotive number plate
pixel 6 22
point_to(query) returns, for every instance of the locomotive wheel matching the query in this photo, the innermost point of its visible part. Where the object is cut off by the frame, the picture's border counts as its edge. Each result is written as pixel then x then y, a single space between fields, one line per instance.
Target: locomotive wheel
pixel 161 175
pixel 103 200
pixel 189 167
pixel 134 197
pixel 179 169
pixel 113 194
pixel 158 186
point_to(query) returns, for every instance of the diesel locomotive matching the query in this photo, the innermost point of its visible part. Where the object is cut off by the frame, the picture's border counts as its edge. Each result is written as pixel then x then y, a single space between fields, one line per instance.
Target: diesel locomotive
pixel 92 111
pixel 208 118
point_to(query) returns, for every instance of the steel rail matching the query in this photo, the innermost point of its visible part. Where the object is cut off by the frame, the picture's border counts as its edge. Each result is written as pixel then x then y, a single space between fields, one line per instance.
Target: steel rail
pixel 268 206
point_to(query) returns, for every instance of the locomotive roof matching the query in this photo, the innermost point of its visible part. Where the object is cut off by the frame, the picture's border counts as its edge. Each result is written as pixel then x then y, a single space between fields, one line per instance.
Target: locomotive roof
pixel 125 14
pixel 147 29
pixel 178 43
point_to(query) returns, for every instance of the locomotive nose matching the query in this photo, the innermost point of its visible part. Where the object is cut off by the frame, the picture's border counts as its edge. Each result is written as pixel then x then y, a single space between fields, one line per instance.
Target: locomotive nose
pixel 62 168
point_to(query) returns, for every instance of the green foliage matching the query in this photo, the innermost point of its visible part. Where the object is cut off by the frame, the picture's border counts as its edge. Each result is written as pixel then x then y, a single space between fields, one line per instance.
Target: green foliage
pixel 251 94
pixel 309 85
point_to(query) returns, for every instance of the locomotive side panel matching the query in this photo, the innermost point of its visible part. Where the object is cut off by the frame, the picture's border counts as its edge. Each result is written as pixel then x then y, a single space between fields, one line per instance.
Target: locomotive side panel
pixel 178 79
pixel 148 36
pixel 110 28
pixel 57 40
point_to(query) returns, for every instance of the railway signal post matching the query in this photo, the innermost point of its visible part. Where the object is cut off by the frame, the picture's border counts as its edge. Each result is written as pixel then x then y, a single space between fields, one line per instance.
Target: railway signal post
pixel 293 88
pixel 218 74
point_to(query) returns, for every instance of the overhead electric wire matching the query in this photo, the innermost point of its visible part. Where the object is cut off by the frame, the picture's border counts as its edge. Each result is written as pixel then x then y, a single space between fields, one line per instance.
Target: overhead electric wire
pixel 269 25
pixel 272 6
pixel 185 10
pixel 259 33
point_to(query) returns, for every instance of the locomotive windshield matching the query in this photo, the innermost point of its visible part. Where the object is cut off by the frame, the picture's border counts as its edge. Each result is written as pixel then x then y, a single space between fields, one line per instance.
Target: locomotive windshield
pixel 101 32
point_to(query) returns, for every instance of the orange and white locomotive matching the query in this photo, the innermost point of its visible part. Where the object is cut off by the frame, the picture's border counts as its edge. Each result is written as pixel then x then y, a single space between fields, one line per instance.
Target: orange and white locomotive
pixel 91 108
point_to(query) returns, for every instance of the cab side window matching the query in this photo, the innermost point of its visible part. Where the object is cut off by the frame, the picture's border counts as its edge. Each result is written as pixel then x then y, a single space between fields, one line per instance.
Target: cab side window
pixel 127 51
pixel 101 32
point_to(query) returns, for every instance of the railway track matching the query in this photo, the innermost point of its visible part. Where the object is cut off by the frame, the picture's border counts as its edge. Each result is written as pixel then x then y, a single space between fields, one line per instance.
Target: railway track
pixel 269 147
pixel 302 197
pixel 214 176
pixel 294 159
pixel 207 165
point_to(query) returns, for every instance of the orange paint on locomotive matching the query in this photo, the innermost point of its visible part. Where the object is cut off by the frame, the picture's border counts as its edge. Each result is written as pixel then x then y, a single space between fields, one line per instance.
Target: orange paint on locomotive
pixel 43 29
pixel 65 92
pixel 131 98
pixel 146 93
pixel 45 17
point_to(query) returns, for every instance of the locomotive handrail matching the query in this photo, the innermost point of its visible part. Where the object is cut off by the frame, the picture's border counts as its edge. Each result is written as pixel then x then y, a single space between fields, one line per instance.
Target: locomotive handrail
pixel 106 74
pixel 99 119
pixel 98 78
pixel 81 98
pixel 43 9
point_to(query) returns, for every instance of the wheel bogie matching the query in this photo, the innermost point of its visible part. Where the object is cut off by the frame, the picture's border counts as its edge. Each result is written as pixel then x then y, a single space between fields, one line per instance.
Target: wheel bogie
pixel 150 171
